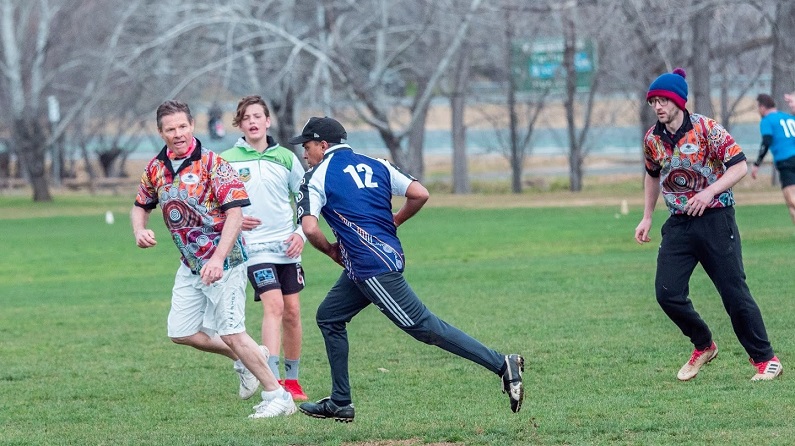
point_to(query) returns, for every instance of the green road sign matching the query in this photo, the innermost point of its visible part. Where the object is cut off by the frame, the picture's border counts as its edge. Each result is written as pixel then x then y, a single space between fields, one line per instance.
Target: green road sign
pixel 538 65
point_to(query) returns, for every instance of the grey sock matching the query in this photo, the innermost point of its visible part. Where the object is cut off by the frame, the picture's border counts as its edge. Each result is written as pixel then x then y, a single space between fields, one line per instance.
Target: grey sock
pixel 273 364
pixel 291 368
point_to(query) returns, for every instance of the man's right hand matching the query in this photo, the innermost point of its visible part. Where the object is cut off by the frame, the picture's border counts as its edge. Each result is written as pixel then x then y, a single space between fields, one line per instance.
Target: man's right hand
pixel 250 223
pixel 754 171
pixel 145 238
pixel 642 231
pixel 335 254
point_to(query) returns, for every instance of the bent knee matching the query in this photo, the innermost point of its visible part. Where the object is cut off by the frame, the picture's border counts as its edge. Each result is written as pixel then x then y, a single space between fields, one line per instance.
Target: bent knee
pixel 232 340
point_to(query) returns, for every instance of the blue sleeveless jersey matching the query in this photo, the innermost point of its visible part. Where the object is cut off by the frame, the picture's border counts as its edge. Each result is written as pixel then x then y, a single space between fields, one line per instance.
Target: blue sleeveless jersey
pixel 353 193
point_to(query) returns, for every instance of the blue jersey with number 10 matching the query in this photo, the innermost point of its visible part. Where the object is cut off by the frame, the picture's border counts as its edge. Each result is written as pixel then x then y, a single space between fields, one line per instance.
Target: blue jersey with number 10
pixel 354 192
pixel 782 127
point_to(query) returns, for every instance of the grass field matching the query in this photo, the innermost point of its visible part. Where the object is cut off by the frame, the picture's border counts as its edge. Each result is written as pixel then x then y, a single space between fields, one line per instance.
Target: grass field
pixel 84 358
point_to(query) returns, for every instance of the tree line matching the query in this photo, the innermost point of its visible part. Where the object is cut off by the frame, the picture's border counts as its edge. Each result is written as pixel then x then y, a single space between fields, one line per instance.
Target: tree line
pixel 81 79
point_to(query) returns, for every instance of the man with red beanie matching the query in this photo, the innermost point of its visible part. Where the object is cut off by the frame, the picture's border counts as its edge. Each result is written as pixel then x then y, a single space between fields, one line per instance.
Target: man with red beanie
pixel 695 162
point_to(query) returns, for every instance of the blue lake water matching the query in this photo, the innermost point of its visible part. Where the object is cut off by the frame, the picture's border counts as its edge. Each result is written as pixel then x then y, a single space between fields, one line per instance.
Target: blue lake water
pixel 617 141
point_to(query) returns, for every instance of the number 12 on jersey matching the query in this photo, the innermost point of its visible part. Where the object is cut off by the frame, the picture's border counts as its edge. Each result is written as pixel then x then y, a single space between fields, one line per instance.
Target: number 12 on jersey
pixel 368 175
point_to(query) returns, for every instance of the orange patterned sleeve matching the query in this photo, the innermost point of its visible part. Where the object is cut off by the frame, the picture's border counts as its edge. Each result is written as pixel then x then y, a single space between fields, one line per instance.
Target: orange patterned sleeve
pixel 229 190
pixel 721 143
pixel 147 193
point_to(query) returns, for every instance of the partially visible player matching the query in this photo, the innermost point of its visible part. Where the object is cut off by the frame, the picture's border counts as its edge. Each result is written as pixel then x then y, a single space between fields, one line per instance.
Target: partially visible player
pixel 789 98
pixel 272 175
pixel 778 135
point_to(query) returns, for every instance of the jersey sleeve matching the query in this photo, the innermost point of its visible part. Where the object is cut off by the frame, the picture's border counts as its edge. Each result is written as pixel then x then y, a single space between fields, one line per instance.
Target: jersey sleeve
pixel 399 180
pixel 766 127
pixel 651 146
pixel 312 195
pixel 229 190
pixel 296 176
pixel 147 194
pixel 723 145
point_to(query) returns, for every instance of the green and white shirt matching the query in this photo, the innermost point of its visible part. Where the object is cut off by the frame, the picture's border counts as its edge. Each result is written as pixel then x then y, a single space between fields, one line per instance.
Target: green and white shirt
pixel 272 179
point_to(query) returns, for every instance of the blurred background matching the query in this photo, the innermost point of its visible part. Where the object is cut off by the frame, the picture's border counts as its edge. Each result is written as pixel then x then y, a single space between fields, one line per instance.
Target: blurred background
pixel 461 90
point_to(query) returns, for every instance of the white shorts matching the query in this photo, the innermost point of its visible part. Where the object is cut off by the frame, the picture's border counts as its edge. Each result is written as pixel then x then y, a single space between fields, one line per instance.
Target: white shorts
pixel 217 308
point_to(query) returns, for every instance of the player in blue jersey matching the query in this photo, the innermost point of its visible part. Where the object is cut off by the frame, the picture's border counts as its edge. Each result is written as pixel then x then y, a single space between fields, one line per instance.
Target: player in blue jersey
pixel 778 136
pixel 354 193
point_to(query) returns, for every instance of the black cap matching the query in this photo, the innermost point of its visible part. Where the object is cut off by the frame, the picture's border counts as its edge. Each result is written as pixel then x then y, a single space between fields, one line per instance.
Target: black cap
pixel 321 129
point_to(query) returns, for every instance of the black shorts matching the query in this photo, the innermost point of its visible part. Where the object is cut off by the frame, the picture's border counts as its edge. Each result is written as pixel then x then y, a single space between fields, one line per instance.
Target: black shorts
pixel 786 171
pixel 289 278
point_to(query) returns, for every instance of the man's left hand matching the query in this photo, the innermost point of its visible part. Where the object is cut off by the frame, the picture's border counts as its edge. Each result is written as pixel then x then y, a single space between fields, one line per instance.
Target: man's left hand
pixel 295 245
pixel 696 206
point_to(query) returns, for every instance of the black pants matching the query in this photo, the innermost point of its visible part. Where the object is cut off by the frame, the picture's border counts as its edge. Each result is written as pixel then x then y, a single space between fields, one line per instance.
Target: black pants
pixel 392 295
pixel 714 241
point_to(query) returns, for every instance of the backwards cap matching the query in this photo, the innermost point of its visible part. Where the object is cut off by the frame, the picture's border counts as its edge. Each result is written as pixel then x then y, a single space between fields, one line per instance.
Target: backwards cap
pixel 321 129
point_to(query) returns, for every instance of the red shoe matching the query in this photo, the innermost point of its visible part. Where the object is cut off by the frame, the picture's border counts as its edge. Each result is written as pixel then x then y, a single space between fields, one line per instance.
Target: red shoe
pixel 767 370
pixel 294 387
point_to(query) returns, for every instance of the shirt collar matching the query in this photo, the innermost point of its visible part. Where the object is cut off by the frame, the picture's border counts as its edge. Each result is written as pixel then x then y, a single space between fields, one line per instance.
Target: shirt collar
pixel 191 148
pixel 336 147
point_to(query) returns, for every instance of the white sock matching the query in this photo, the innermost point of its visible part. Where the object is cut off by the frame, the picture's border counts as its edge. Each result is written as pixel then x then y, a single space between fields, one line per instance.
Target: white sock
pixel 270 395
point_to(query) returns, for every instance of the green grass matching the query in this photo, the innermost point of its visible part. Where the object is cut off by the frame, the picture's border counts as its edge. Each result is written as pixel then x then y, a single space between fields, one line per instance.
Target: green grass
pixel 84 358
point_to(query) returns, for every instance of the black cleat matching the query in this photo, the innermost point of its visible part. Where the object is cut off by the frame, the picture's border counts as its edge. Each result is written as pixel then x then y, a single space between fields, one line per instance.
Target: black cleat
pixel 325 408
pixel 512 381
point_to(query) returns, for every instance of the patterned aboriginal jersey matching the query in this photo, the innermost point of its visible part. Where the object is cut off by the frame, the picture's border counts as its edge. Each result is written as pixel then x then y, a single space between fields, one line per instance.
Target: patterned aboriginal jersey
pixel 194 200
pixel 689 161
pixel 354 192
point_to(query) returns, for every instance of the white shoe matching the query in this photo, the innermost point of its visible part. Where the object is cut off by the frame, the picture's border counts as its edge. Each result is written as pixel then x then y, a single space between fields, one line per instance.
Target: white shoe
pixel 279 406
pixel 765 371
pixel 697 360
pixel 248 382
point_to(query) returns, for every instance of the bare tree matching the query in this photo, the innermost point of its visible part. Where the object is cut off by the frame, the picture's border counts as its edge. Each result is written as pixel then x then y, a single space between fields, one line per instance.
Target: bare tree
pixel 701 80
pixel 360 75
pixel 344 57
pixel 458 102
pixel 783 76
pixel 578 127
pixel 25 33
pixel 47 51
